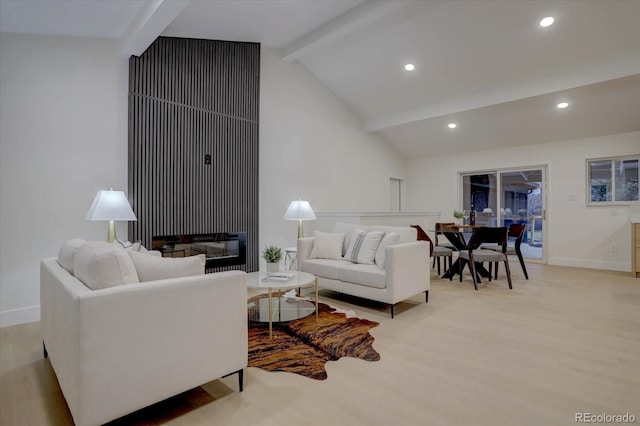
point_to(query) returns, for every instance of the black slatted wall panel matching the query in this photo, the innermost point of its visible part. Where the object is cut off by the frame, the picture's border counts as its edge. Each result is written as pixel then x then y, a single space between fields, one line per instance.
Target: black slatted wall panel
pixel 187 99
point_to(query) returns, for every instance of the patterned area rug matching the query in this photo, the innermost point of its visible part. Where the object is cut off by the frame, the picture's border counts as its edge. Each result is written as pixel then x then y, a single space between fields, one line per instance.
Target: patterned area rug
pixel 304 346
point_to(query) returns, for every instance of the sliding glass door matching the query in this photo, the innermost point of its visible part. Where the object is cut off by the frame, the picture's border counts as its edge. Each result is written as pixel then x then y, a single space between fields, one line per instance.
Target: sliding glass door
pixel 508 196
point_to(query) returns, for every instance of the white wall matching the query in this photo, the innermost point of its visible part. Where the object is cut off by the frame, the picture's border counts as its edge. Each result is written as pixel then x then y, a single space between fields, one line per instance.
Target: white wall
pixel 63 136
pixel 312 147
pixel 577 235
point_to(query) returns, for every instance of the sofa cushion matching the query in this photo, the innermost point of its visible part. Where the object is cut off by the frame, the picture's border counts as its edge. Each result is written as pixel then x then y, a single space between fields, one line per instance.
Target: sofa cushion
pixel 99 264
pixel 151 268
pixel 327 245
pixel 381 253
pixel 324 268
pixel 366 275
pixel 68 251
pixel 363 246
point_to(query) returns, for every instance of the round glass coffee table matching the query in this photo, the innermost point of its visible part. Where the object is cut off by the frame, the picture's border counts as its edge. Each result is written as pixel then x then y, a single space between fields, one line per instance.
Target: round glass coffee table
pixel 281 309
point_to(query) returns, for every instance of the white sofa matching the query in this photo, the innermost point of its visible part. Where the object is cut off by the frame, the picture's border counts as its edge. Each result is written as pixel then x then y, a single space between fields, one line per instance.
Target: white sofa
pixel 403 274
pixel 118 349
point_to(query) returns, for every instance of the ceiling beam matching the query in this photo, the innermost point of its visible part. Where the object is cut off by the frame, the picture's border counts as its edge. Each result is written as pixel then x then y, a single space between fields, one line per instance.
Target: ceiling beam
pixel 609 71
pixel 152 20
pixel 355 19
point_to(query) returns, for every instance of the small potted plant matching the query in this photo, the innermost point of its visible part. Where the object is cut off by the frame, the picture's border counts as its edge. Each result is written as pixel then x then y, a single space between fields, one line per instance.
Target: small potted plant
pixel 458 214
pixel 272 254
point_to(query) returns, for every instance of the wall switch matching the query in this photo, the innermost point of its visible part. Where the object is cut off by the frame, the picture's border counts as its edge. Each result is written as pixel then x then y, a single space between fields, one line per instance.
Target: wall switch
pixel 572 197
pixel 207 159
pixel 614 248
pixel 614 212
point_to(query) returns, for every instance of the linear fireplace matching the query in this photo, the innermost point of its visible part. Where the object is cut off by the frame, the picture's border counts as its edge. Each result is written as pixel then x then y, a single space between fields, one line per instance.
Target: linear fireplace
pixel 220 249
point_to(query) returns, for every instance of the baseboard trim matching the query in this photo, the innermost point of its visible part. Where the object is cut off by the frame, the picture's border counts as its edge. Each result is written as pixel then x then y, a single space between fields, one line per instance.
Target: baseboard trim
pixel 19 316
pixel 591 264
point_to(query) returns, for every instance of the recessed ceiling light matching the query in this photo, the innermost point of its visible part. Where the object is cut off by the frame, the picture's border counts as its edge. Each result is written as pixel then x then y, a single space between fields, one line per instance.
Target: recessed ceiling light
pixel 409 67
pixel 452 125
pixel 546 22
pixel 563 105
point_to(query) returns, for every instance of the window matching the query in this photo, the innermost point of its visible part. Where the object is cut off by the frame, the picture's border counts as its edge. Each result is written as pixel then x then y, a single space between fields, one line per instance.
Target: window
pixel 613 180
pixel 506 196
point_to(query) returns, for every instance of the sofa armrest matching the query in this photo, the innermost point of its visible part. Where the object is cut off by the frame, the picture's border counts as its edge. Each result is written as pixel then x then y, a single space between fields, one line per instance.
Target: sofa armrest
pixel 407 269
pixel 305 247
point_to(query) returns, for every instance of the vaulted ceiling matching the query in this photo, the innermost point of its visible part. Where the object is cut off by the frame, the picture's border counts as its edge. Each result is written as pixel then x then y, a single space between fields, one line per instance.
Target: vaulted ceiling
pixel 485 65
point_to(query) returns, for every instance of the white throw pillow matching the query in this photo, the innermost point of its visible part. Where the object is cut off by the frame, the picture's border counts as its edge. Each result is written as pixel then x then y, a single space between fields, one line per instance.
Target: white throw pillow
pixel 68 251
pixel 347 230
pixel 327 245
pixel 367 251
pixel 357 237
pixel 99 264
pixel 152 268
pixel 381 254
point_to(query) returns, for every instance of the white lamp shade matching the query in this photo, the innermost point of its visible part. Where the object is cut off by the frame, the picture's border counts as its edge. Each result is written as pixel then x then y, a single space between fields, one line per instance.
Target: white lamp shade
pixel 487 210
pixel 300 210
pixel 110 205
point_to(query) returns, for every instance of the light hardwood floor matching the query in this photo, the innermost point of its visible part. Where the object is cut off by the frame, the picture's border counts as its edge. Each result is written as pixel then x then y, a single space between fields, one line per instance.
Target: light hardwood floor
pixel 566 341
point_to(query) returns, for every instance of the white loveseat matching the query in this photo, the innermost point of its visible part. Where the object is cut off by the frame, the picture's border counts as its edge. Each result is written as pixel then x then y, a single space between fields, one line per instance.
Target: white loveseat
pixel 118 349
pixel 398 274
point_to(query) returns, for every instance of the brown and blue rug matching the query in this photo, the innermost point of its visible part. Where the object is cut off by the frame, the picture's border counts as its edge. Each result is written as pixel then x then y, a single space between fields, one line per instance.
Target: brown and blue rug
pixel 304 346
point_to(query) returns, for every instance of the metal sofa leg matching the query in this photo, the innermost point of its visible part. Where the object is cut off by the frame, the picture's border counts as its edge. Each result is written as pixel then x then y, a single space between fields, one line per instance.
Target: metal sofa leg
pixel 44 350
pixel 240 374
pixel 426 296
pixel 391 305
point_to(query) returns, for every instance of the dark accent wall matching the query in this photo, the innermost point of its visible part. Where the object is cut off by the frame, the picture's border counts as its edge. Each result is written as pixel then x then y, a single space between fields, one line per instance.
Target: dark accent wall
pixel 193 140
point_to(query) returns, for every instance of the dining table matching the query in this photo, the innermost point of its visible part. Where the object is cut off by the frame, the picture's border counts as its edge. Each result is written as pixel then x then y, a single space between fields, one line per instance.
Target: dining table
pixel 455 234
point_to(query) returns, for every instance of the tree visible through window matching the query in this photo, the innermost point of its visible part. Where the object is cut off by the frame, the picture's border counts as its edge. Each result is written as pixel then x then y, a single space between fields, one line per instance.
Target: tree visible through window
pixel 613 180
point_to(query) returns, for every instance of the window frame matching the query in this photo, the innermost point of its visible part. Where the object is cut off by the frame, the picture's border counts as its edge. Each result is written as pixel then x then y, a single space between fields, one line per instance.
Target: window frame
pixel 612 161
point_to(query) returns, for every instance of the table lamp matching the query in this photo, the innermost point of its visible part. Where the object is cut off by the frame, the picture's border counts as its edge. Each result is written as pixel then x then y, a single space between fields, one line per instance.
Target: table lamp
pixel 300 210
pixel 110 205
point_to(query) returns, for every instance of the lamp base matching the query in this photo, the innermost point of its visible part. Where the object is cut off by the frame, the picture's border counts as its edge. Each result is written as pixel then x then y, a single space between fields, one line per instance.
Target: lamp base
pixel 300 231
pixel 111 232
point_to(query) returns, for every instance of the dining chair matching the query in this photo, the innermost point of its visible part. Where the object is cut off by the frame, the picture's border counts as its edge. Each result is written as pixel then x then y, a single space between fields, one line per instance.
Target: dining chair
pixel 445 243
pixel 436 251
pixel 516 230
pixel 473 254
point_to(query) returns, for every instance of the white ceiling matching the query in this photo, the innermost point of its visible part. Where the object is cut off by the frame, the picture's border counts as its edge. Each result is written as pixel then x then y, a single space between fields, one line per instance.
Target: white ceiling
pixel 484 64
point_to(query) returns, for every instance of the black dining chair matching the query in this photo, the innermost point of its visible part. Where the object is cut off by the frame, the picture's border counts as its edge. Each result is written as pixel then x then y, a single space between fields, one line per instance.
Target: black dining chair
pixel 516 230
pixel 473 254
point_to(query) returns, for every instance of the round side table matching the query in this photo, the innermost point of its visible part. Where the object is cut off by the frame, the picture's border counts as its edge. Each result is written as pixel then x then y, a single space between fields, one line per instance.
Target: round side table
pixel 296 279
